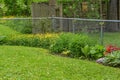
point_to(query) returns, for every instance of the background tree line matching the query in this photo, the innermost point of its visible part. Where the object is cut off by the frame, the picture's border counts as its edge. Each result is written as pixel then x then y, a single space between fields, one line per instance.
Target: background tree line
pixel 72 9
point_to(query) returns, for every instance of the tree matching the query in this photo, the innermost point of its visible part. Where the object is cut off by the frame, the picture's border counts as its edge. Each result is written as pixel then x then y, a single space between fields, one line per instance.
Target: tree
pixel 18 7
pixel 113 10
pixel 119 10
pixel 113 14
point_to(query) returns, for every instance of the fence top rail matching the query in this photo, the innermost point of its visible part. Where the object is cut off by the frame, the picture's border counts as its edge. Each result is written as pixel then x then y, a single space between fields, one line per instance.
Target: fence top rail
pixel 81 19
pixel 20 18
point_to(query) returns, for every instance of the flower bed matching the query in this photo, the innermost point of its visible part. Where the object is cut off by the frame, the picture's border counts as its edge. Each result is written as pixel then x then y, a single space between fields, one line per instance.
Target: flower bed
pixel 111 56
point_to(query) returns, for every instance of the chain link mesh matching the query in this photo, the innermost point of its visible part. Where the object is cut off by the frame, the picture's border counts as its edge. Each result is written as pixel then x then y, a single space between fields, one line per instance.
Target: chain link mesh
pixel 105 31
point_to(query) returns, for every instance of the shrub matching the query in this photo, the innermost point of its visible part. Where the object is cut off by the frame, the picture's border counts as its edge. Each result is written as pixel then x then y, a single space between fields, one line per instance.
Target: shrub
pixel 38 40
pixel 72 43
pixel 77 43
pixel 61 43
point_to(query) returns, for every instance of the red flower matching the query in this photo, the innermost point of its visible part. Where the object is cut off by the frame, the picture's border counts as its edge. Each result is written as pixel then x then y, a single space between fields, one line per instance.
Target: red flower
pixel 110 49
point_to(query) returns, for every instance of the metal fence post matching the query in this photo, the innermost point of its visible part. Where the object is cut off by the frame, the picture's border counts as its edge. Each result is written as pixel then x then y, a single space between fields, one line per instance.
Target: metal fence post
pixel 61 24
pixel 73 26
pixel 101 33
pixel 53 23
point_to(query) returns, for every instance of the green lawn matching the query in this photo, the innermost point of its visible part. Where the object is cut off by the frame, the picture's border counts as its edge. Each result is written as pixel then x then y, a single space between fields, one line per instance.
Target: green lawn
pixel 5 30
pixel 112 38
pixel 28 63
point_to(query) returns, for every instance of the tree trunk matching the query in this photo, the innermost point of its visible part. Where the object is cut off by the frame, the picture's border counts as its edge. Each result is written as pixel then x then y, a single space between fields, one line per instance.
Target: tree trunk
pixel 113 15
pixel 119 12
pixel 119 8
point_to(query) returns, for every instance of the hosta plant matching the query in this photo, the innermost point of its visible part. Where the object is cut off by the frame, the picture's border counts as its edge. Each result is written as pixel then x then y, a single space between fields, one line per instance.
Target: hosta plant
pixel 93 52
pixel 112 59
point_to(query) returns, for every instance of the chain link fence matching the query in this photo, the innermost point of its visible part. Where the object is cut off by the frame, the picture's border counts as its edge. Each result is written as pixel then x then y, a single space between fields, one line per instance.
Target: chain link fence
pixel 23 25
pixel 104 31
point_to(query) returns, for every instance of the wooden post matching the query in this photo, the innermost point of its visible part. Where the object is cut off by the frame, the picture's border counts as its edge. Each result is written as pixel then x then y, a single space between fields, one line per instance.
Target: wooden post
pixel 52 4
pixel 33 16
pixel 61 14
pixel 61 9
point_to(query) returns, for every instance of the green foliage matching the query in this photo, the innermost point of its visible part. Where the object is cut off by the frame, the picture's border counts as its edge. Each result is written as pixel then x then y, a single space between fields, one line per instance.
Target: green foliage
pixel 30 40
pixel 93 52
pixel 2 39
pixel 20 7
pixel 77 43
pixel 72 9
pixel 76 9
pixel 97 51
pixel 45 25
pixel 57 47
pixel 86 51
pixel 71 43
pixel 62 43
pixel 22 26
pixel 5 30
pixel 3 9
pixel 75 46
pixel 48 0
pixel 113 59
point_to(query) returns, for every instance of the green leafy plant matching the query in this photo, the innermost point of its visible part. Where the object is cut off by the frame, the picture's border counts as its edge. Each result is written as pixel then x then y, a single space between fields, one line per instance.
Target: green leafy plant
pixel 113 59
pixel 97 51
pixel 86 51
pixel 93 52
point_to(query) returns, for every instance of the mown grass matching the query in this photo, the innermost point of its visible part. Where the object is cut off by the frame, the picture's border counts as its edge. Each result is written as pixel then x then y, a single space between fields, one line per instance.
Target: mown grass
pixel 109 38
pixel 112 38
pixel 5 30
pixel 28 63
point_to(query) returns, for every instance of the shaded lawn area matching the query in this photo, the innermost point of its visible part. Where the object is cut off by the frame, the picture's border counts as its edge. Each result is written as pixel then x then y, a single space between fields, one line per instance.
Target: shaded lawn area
pixel 27 63
pixel 5 30
pixel 109 38
pixel 112 38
